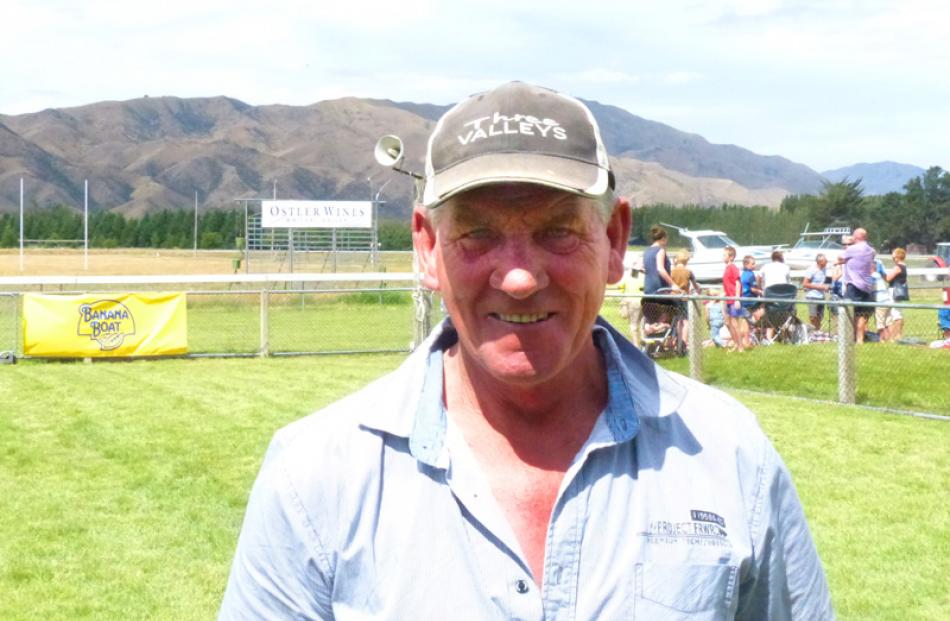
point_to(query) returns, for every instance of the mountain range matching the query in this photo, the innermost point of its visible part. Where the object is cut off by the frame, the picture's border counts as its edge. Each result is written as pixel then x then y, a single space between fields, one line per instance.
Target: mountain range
pixel 877 177
pixel 154 153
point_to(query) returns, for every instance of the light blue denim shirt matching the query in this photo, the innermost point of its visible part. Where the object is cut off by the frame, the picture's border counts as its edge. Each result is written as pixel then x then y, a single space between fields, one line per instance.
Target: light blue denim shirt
pixel 676 507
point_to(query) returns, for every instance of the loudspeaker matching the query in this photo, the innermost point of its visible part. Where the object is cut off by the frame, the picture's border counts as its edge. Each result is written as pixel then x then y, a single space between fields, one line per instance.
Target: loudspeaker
pixel 389 151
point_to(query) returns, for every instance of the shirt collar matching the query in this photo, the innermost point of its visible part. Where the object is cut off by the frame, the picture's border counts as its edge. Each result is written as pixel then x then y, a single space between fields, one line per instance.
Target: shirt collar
pixel 636 388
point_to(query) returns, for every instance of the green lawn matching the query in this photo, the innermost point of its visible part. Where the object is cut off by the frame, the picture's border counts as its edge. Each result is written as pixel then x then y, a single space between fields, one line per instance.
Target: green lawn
pixel 123 484
pixel 898 376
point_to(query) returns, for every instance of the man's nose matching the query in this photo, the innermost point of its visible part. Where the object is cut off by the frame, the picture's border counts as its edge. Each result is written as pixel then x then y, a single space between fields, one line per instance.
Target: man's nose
pixel 519 270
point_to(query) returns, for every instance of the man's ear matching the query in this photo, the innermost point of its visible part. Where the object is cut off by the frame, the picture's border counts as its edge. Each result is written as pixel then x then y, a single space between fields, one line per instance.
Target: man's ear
pixel 618 232
pixel 424 241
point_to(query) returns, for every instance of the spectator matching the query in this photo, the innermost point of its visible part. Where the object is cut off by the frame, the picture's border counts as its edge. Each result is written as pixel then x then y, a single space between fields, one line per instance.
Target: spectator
pixel 732 287
pixel 858 262
pixel 630 308
pixel 684 280
pixel 883 315
pixel 896 278
pixel 658 312
pixel 716 325
pixel 750 289
pixel 776 272
pixel 816 284
pixel 943 322
pixel 682 275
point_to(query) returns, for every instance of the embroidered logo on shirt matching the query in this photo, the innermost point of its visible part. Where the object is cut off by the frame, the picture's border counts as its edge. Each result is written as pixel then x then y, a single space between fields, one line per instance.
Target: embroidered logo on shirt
pixel 707 516
pixel 704 529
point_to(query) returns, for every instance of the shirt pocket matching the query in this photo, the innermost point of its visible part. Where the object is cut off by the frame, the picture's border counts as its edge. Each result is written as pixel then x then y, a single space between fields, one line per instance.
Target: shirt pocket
pixel 687 591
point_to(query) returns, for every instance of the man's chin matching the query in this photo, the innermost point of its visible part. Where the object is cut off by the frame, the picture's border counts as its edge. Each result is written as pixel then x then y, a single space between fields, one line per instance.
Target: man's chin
pixel 518 368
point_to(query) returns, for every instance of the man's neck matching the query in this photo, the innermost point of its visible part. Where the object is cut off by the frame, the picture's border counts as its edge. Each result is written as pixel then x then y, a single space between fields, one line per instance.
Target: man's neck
pixel 543 425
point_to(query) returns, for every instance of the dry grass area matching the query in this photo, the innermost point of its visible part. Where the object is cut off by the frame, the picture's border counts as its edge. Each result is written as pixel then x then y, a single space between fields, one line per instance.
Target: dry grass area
pixel 143 261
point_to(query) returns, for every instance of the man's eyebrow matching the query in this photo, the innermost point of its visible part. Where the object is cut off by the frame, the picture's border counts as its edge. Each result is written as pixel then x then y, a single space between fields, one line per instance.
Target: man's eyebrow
pixel 464 215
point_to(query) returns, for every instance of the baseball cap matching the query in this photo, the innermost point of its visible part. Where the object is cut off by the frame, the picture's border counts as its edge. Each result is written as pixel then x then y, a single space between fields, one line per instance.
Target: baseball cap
pixel 516 133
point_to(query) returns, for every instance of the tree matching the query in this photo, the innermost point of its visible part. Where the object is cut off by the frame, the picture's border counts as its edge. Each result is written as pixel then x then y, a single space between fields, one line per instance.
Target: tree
pixel 838 203
pixel 926 215
pixel 395 235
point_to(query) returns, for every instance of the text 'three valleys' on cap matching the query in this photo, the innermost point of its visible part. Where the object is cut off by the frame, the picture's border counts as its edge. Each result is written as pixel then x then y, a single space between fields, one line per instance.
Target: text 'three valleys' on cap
pixel 516 133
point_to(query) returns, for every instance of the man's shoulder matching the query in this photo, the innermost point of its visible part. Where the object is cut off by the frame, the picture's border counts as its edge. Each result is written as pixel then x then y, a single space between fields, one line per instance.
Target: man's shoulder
pixel 349 424
pixel 715 420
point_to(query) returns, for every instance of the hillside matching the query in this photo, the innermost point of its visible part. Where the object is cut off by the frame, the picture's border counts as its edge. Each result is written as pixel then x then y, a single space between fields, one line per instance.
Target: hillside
pixel 877 177
pixel 153 153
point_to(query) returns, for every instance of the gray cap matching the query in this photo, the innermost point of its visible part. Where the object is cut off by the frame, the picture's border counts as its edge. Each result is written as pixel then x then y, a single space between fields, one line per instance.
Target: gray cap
pixel 516 133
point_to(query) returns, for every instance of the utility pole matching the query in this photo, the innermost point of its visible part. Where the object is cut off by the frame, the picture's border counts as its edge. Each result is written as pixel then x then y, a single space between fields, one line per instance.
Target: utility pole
pixel 196 224
pixel 21 224
pixel 85 227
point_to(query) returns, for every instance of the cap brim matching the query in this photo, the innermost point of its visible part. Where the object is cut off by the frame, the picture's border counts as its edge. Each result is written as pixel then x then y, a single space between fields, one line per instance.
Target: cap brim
pixel 559 173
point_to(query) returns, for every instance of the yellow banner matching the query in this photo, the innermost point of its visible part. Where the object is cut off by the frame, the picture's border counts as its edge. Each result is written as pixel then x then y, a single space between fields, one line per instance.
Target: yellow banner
pixel 104 325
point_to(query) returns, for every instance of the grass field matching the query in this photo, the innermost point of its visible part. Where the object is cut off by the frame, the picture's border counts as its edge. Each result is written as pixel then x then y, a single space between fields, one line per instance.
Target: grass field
pixel 123 484
pixel 903 377
pixel 143 261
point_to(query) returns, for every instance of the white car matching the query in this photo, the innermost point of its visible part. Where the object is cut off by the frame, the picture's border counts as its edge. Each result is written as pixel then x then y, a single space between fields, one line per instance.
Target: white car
pixel 706 249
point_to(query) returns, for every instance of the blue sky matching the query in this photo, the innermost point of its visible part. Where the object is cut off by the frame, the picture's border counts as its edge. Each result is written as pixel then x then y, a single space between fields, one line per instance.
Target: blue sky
pixel 827 83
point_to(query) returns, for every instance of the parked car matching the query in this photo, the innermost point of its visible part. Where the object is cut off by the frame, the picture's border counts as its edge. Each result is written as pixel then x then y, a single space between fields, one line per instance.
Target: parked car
pixel 941 259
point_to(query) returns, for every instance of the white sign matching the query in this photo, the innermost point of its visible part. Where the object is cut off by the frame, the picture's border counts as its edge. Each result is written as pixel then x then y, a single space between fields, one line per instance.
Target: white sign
pixel 316 214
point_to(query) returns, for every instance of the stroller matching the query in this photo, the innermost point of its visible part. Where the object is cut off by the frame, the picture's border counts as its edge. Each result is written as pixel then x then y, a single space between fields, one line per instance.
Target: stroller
pixel 781 316
pixel 660 325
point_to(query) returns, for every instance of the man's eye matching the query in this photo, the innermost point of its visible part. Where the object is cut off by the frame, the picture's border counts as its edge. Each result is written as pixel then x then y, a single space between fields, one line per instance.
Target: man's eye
pixel 476 240
pixel 479 234
pixel 559 239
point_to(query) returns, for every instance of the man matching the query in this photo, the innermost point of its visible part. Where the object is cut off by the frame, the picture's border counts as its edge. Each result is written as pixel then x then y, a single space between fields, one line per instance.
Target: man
pixel 858 262
pixel 526 461
pixel 816 285
pixel 775 272
pixel 750 289
pixel 630 309
pixel 732 287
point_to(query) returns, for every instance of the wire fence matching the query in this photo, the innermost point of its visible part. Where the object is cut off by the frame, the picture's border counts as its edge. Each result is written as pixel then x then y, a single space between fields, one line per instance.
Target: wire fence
pixel 788 346
pixel 903 363
pixel 9 309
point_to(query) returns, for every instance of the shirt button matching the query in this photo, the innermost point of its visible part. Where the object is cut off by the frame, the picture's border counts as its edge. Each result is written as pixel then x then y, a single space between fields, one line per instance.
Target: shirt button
pixel 521 586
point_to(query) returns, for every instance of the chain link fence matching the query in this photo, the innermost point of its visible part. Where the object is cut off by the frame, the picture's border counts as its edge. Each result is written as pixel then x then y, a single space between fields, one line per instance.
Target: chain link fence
pixel 289 317
pixel 789 347
pixel 9 314
pixel 902 363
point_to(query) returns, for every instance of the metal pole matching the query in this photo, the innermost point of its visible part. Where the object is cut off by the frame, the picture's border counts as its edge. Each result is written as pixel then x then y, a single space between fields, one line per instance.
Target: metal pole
pixel 376 223
pixel 21 224
pixel 846 366
pixel 695 340
pixel 333 246
pixel 247 255
pixel 85 227
pixel 265 337
pixel 290 245
pixel 196 224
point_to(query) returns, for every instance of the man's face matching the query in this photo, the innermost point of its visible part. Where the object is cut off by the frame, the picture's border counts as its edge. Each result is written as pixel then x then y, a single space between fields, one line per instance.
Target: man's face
pixel 822 262
pixel 522 271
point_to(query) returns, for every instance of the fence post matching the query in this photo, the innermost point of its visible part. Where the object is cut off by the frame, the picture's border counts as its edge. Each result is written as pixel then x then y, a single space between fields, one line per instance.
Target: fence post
pixel 694 341
pixel 17 328
pixel 422 301
pixel 265 331
pixel 847 375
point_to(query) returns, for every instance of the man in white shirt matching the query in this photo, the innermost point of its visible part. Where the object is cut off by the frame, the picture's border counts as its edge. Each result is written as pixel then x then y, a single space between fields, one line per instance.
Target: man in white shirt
pixel 776 272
